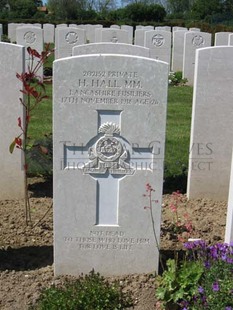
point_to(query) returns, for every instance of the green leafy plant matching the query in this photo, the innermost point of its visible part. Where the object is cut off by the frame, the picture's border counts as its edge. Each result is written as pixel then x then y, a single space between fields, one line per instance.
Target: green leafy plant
pixel 89 292
pixel 203 280
pixel 179 282
pixel 175 79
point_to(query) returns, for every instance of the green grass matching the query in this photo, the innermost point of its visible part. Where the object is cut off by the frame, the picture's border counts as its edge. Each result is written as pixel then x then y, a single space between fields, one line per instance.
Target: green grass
pixel 177 136
pixel 41 117
pixel 177 133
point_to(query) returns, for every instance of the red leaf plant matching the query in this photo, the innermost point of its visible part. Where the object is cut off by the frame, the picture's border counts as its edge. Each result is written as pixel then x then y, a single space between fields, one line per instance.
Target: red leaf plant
pixel 34 92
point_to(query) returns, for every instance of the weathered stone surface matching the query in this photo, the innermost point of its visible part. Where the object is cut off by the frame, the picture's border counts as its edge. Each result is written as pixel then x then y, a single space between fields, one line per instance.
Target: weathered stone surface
pixel 212 126
pixel 11 165
pixel 109 133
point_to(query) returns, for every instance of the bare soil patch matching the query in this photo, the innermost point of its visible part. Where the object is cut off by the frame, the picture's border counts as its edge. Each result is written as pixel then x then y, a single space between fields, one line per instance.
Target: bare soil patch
pixel 26 253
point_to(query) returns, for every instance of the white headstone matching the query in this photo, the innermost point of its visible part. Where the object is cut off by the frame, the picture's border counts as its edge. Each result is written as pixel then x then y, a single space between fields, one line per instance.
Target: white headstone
pixel 179 29
pixel 98 35
pixel 110 48
pixel 229 221
pixel 68 38
pixel 212 126
pixel 12 31
pixel 73 25
pixel 192 41
pixel 61 25
pixel 140 27
pixel 115 26
pixel 11 165
pixel 165 28
pixel 195 29
pixel 230 39
pixel 221 38
pixel 159 43
pixel 178 50
pixel 57 29
pixel 33 37
pixel 49 32
pixel 129 29
pixel 107 147
pixel 90 32
pixel 115 36
pixel 149 28
pixel 1 32
pixel 37 25
pixel 139 37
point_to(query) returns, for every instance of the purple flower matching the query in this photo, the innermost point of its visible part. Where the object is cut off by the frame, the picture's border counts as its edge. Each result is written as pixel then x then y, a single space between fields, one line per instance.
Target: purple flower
pixel 228 308
pixel 207 264
pixel 229 260
pixel 189 245
pixel 215 287
pixel 200 289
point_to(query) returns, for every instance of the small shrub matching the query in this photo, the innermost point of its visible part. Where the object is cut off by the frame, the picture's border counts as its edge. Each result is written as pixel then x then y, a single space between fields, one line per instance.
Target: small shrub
pixel 89 292
pixel 202 281
pixel 179 282
pixel 175 79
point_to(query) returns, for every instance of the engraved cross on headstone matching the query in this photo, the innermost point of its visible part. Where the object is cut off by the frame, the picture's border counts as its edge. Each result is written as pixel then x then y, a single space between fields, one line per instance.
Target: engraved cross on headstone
pixel 108 158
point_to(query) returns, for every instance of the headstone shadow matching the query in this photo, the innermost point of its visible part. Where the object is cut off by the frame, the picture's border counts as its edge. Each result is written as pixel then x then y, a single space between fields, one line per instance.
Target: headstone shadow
pixel 26 258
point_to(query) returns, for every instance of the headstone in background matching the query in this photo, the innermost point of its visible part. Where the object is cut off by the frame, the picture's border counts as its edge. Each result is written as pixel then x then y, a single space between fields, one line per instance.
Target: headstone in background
pixel 12 31
pixel 195 29
pixel 11 165
pixel 73 25
pixel 49 33
pixel 178 50
pixel 109 145
pixel 61 25
pixel 57 29
pixel 159 43
pixel 68 38
pixel 1 32
pixel 230 39
pixel 37 25
pixel 212 126
pixel 140 27
pixel 148 28
pixel 139 37
pixel 179 29
pixel 192 41
pixel 115 26
pixel 165 28
pixel 111 48
pixel 229 220
pixel 33 37
pixel 90 32
pixel 129 29
pixel 221 38
pixel 114 35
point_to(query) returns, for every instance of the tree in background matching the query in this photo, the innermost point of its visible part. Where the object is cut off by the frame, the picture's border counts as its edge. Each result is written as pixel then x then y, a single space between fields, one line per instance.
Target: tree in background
pixel 202 8
pixel 179 8
pixel 22 8
pixel 74 9
pixel 140 12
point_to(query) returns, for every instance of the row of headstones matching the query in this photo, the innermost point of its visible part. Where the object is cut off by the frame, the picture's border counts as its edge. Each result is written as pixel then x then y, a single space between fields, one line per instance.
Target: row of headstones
pixel 49 30
pixel 158 42
pixel 185 43
pixel 101 165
